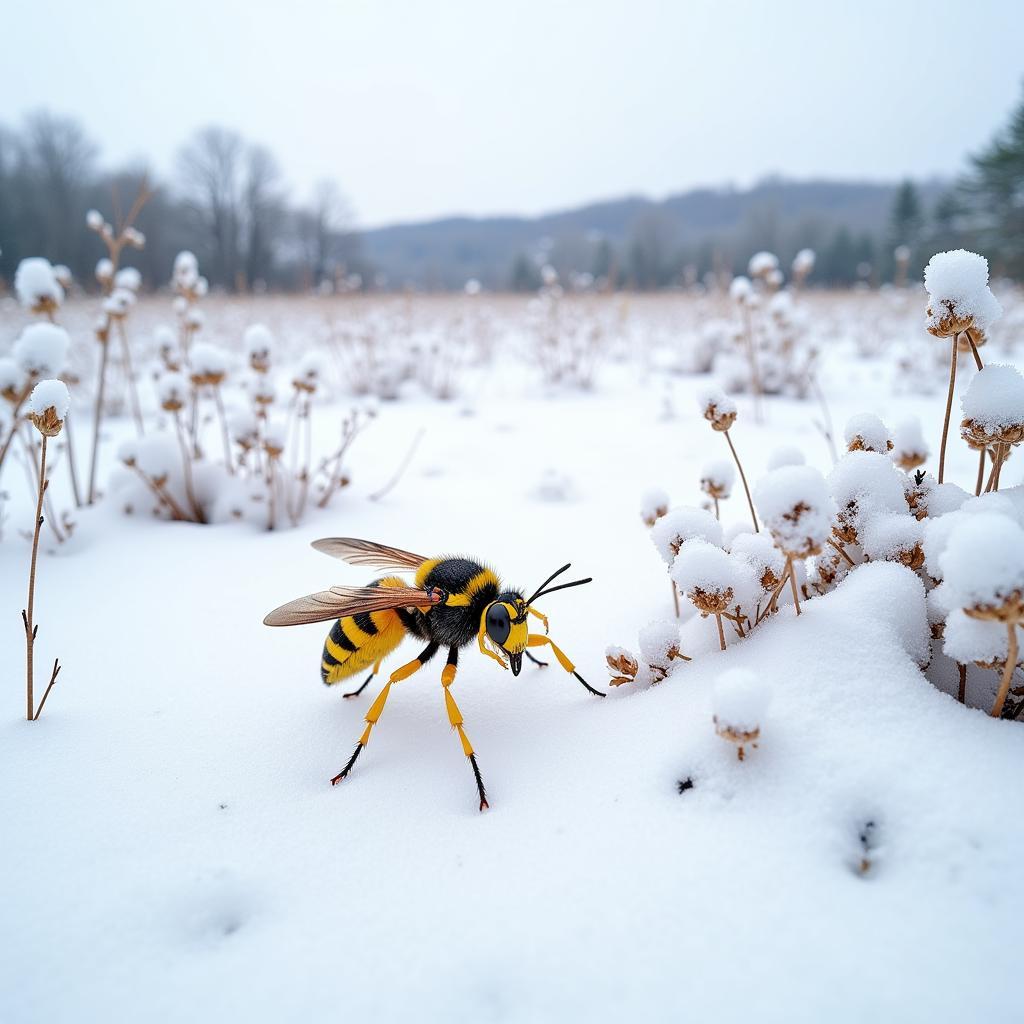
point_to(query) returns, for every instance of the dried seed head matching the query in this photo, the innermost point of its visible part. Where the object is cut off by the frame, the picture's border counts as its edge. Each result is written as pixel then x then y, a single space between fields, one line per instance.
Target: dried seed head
pixel 945 320
pixel 622 666
pixel 48 406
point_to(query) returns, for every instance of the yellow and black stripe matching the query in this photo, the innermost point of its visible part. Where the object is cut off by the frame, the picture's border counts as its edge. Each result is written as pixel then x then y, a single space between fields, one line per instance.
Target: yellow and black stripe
pixel 356 642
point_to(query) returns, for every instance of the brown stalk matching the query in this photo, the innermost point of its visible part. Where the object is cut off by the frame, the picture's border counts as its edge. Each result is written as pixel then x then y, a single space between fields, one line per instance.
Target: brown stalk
pixel 97 419
pixel 949 409
pixel 974 350
pixel 721 631
pixel 961 694
pixel 15 423
pixel 49 687
pixel 675 595
pixel 27 614
pixel 132 389
pixel 743 478
pixel 792 582
pixel 842 551
pixel 1011 664
pixel 981 472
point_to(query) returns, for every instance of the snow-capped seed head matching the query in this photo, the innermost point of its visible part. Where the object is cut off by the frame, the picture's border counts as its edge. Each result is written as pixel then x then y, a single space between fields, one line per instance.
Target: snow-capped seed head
pixel 128 278
pixel 909 449
pixel 958 293
pixel 275 435
pixel 262 389
pixel 683 523
pixel 659 648
pixel 622 666
pixel 740 700
pixel 707 575
pixel 865 432
pixel 135 238
pixel 993 407
pixel 63 275
pixel 173 390
pixel 763 557
pixel 209 365
pixel 803 262
pixel 37 286
pixel 42 349
pixel 983 642
pixel 118 303
pixel 653 505
pixel 893 537
pixel 104 270
pixel 983 567
pixel 740 290
pixel 762 264
pixel 186 270
pixel 717 478
pixel 259 345
pixel 308 373
pixel 718 409
pixel 864 484
pixel 797 509
pixel 94 220
pixel 12 380
pixel 48 406
pixel 786 455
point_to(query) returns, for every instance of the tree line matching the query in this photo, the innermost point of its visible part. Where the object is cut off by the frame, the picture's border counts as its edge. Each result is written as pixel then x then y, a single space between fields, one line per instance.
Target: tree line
pixel 228 203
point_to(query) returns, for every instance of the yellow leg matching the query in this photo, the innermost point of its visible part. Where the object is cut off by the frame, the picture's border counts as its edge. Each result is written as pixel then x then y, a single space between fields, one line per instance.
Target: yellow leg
pixel 456 720
pixel 377 707
pixel 487 650
pixel 536 640
pixel 543 618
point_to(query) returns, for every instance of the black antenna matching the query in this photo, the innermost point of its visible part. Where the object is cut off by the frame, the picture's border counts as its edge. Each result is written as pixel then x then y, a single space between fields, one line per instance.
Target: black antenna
pixel 541 592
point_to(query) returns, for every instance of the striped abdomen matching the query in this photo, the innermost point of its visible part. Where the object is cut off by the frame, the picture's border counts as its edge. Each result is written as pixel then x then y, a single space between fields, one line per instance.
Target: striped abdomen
pixel 357 642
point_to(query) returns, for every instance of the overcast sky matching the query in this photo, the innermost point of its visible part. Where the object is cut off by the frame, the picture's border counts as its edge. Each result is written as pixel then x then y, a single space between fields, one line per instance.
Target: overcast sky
pixel 429 108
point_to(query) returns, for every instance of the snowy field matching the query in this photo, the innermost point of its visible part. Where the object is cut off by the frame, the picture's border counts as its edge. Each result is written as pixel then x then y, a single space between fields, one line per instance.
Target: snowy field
pixel 172 849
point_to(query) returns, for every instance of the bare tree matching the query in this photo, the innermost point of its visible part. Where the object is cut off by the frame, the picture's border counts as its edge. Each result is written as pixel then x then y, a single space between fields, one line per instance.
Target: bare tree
pixel 210 168
pixel 262 213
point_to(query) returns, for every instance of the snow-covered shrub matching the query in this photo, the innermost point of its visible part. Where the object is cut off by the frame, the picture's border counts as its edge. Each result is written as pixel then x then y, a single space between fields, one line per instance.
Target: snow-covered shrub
pixel 37 286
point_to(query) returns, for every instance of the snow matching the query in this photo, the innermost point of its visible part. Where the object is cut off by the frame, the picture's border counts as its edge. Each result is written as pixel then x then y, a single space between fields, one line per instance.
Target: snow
pixel 958 280
pixel 703 566
pixel 42 349
pixel 35 282
pixel 786 455
pixel 741 290
pixel 796 508
pixel 94 220
pixel 762 263
pixel 659 642
pixel 172 845
pixel 208 360
pixel 866 432
pixel 258 341
pixel 891 535
pixel 909 446
pixel 717 477
pixel 12 376
pixel 803 262
pixel 50 394
pixel 681 524
pixel 983 561
pixel 994 399
pixel 970 640
pixel 128 278
pixel 864 484
pixel 653 505
pixel 740 700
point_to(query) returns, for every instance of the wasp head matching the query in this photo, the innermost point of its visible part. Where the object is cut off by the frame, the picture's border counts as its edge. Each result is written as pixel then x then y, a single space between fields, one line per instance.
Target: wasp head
pixel 505 622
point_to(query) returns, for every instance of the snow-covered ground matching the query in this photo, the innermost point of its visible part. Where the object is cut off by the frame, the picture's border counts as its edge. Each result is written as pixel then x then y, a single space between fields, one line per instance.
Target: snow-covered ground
pixel 171 848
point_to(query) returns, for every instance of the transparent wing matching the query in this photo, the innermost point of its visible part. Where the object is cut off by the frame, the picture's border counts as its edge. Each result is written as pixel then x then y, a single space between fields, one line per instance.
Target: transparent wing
pixel 341 601
pixel 369 553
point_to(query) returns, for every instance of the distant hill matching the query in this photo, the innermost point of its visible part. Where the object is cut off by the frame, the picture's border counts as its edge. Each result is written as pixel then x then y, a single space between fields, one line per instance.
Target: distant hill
pixel 700 226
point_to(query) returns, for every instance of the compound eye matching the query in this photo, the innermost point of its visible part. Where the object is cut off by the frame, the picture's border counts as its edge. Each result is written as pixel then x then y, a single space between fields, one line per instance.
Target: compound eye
pixel 498 623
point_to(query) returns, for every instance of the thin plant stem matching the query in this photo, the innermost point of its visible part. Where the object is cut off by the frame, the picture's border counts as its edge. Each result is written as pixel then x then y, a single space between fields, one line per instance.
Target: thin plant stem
pixel 743 478
pixel 1008 669
pixel 97 420
pixel 15 423
pixel 715 500
pixel 27 615
pixel 132 389
pixel 974 350
pixel 675 595
pixel 841 550
pixel 792 583
pixel 186 463
pixel 961 693
pixel 224 429
pixel 997 465
pixel 49 687
pixel 949 409
pixel 721 631
pixel 71 461
pixel 981 472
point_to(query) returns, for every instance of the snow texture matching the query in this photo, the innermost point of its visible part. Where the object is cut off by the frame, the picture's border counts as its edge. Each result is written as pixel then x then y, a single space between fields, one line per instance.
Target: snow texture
pixel 786 455
pixel 868 432
pixel 50 394
pixel 983 561
pixel 740 700
pixel 35 281
pixel 653 505
pixel 995 398
pixel 796 507
pixel 890 535
pixel 683 523
pixel 961 278
pixel 42 349
pixel 865 484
